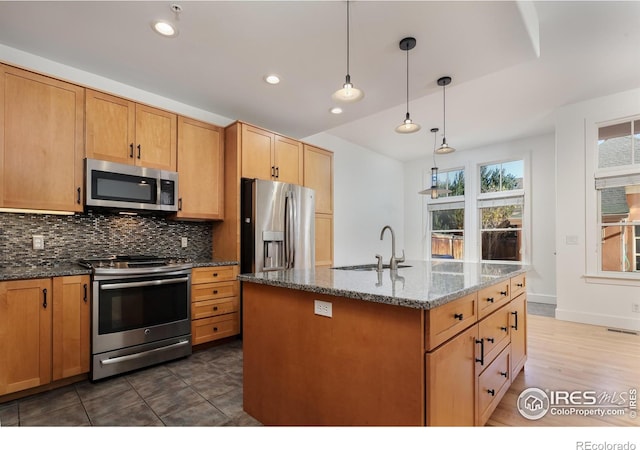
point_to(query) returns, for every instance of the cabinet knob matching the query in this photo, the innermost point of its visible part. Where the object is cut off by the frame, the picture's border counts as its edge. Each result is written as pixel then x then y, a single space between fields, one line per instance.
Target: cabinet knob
pixel 504 374
pixel 520 284
pixel 458 316
pixel 215 328
pixel 491 392
pixel 215 291
pixel 491 340
pixel 503 293
pixel 490 299
pixel 215 308
pixel 504 329
pixel 215 274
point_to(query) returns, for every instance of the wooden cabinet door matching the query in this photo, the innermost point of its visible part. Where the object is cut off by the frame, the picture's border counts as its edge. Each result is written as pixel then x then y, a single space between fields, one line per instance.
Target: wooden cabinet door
pixel 42 148
pixel 25 334
pixel 201 169
pixel 318 175
pixel 451 381
pixel 324 240
pixel 257 153
pixel 110 128
pixel 288 160
pixel 518 309
pixel 71 332
pixel 156 135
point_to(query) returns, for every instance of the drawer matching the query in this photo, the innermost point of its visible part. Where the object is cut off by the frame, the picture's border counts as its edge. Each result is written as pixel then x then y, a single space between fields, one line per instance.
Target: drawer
pixel 444 322
pixel 210 308
pixel 210 291
pixel 493 297
pixel 494 331
pixel 212 328
pixel 492 385
pixel 212 274
pixel 518 285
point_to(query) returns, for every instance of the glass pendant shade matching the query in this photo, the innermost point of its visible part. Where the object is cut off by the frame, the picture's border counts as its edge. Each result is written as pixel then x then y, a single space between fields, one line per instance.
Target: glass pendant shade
pixel 407 126
pixel 433 190
pixel 444 148
pixel 348 93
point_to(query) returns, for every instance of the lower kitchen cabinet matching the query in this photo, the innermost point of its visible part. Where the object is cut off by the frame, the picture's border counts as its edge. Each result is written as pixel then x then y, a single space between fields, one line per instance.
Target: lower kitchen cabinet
pixel 518 324
pixel 25 334
pixel 44 331
pixel 71 325
pixel 215 303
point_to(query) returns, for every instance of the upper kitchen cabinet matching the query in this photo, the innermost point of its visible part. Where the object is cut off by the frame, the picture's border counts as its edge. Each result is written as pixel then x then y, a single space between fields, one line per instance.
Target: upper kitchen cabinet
pixel 41 142
pixel 269 156
pixel 318 175
pixel 201 170
pixel 126 132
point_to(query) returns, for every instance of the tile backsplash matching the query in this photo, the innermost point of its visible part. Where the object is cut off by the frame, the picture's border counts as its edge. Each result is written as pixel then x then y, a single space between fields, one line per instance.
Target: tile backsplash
pixel 68 238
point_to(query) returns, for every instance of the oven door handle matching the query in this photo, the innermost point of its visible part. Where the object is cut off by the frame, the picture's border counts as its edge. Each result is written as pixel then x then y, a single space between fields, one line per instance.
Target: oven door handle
pixel 107 287
pixel 119 359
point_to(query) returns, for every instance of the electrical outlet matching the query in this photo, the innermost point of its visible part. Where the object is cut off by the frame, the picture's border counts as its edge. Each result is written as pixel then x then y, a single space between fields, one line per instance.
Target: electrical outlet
pixel 635 307
pixel 322 308
pixel 183 242
pixel 38 242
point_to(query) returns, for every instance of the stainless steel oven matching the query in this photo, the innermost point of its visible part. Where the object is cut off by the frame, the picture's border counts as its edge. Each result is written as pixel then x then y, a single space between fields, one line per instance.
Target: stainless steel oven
pixel 141 313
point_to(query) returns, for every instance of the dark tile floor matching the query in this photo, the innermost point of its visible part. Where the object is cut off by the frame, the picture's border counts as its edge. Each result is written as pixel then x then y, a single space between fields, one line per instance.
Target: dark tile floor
pixel 204 389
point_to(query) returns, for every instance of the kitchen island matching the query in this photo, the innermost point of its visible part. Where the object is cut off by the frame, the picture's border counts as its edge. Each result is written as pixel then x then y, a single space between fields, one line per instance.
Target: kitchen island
pixel 434 343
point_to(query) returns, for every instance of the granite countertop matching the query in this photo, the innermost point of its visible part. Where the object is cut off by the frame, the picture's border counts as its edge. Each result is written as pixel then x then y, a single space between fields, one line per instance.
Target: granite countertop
pixel 69 269
pixel 423 285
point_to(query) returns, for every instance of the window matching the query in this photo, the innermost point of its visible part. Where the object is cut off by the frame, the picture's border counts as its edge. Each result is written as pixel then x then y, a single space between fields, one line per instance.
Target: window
pixel 446 216
pixel 619 196
pixel 501 207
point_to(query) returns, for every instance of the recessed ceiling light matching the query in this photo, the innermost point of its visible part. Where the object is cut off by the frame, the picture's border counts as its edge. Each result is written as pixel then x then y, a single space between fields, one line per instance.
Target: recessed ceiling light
pixel 164 28
pixel 336 110
pixel 272 79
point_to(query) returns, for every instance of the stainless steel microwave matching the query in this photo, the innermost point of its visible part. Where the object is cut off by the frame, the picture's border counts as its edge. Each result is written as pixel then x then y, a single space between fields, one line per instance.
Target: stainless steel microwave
pixel 125 187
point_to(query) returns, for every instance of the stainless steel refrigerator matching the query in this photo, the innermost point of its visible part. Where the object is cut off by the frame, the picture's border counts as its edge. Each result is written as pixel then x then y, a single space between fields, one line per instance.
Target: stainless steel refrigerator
pixel 278 226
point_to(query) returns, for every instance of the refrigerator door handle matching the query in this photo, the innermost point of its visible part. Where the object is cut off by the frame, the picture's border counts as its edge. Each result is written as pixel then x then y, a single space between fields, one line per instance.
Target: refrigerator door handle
pixel 294 228
pixel 287 230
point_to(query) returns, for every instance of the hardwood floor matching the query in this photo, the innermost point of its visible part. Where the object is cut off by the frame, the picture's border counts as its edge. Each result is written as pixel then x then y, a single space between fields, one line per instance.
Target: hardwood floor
pixel 572 356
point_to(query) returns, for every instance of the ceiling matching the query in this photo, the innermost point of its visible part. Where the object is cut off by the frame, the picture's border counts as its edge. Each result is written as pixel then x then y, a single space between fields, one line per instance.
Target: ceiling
pixel 512 63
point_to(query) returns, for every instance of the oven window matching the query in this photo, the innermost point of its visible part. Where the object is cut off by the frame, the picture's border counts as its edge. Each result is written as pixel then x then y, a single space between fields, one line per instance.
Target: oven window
pixel 123 187
pixel 128 308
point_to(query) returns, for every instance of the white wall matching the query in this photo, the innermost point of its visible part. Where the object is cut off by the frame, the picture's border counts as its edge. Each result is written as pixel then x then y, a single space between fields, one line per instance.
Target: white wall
pixel 368 193
pixel 538 153
pixel 46 66
pixel 582 296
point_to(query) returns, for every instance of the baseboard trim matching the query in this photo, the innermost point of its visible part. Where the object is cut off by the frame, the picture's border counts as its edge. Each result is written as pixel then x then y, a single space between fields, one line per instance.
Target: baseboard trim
pixel 542 298
pixel 623 323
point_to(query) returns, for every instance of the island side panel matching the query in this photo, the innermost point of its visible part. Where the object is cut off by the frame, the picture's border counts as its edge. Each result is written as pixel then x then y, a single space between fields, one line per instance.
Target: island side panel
pixel 363 366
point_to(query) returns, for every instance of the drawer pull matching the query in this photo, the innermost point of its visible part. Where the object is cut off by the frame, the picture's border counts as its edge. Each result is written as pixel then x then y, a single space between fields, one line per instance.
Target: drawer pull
pixel 44 302
pixel 86 297
pixel 491 340
pixel 215 274
pixel 490 299
pixel 491 392
pixel 504 374
pixel 215 291
pixel 515 326
pixel 458 316
pixel 215 308
pixel 481 359
pixel 520 284
pixel 215 328
pixel 503 293
pixel 505 329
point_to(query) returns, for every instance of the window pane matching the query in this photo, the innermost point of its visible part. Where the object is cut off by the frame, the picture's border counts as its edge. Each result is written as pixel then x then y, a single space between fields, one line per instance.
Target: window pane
pixel 447 237
pixel 613 205
pixel 620 248
pixel 452 180
pixel 636 142
pixel 614 145
pixel 506 176
pixel 502 233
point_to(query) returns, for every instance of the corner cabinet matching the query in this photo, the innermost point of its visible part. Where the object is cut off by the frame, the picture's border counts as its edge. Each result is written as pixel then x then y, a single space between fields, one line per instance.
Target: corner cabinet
pixel 126 132
pixel 41 142
pixel 201 170
pixel 215 303
pixel 44 330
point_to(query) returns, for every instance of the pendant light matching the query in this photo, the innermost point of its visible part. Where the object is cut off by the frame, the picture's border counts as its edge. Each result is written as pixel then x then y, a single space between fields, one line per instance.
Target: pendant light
pixel 407 126
pixel 444 148
pixel 348 93
pixel 433 190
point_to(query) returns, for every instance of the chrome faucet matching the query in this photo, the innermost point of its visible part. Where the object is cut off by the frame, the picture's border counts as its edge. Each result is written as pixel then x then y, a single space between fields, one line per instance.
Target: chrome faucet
pixel 393 263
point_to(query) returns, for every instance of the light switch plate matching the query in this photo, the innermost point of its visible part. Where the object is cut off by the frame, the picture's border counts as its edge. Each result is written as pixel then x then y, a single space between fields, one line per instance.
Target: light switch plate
pixel 183 242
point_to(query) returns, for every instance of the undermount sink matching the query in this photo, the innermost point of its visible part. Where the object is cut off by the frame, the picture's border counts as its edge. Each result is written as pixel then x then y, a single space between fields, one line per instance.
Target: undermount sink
pixel 363 267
